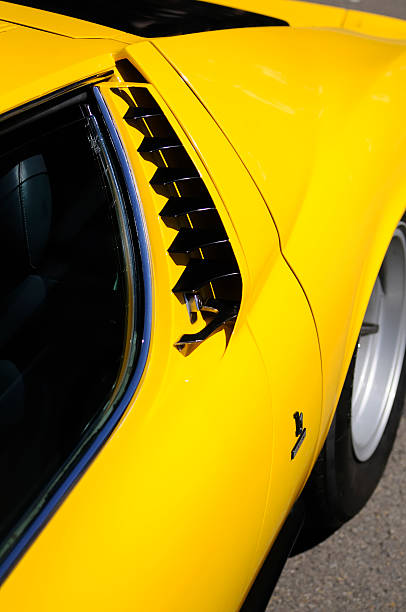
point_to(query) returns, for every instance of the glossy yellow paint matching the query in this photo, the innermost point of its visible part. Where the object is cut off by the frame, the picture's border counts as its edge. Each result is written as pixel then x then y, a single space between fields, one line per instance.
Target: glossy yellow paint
pixel 270 291
pixel 316 122
pixel 59 24
pixel 297 13
pixel 300 149
pixel 375 25
pixel 4 26
pixel 57 62
pixel 312 15
pixel 185 451
pixel 182 493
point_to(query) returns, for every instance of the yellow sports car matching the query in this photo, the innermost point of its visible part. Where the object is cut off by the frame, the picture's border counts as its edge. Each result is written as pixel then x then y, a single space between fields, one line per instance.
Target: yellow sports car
pixel 203 297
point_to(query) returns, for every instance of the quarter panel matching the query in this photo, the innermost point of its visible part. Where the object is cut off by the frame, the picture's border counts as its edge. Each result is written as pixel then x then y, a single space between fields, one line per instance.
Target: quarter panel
pixel 361 172
pixel 284 328
pixel 284 108
pixel 318 121
pixel 276 307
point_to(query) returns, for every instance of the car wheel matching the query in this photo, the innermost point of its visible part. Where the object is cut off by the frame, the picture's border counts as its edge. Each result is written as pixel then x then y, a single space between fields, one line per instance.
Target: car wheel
pixel 364 428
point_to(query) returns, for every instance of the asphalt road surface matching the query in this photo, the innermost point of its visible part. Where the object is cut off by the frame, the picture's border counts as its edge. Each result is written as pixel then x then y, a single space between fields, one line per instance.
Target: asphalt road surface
pixel 394 8
pixel 361 567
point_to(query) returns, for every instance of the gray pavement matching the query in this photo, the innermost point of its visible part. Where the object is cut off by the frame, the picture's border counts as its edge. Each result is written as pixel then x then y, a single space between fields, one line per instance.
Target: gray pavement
pixel 361 567
pixel 394 8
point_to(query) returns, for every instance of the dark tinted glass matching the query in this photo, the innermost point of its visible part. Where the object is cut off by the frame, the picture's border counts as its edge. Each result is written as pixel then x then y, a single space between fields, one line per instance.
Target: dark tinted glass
pixel 153 18
pixel 63 301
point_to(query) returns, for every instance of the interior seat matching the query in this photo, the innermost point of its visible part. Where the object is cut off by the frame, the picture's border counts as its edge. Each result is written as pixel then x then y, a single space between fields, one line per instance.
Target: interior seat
pixel 25 223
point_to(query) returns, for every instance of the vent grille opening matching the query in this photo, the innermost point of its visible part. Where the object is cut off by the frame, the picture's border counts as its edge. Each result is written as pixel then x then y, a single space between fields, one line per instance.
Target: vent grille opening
pixel 210 282
pixel 129 72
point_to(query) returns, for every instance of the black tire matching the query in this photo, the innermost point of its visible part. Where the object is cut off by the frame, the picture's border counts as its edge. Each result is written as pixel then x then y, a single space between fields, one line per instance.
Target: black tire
pixel 341 484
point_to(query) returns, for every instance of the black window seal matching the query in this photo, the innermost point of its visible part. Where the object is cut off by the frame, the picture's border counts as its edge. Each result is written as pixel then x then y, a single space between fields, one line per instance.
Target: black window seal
pixel 21 544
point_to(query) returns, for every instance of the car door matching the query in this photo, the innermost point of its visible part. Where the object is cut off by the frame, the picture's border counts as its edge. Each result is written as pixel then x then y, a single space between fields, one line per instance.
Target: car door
pixel 198 477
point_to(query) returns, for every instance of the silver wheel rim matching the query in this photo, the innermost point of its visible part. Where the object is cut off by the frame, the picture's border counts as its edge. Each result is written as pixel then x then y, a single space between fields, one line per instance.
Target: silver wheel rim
pixel 381 349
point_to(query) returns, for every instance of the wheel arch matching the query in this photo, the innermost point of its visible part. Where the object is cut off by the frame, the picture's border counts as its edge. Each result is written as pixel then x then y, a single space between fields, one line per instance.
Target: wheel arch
pixel 394 208
pixel 372 253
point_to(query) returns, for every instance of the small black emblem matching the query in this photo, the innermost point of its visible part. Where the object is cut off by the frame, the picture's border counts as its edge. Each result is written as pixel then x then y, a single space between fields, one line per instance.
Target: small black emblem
pixel 300 433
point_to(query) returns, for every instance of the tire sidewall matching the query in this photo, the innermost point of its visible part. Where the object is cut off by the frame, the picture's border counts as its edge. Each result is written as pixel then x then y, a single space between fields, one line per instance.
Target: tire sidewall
pixel 351 481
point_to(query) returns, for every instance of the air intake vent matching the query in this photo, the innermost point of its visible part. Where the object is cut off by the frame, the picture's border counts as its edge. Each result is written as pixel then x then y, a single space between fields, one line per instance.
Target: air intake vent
pixel 210 282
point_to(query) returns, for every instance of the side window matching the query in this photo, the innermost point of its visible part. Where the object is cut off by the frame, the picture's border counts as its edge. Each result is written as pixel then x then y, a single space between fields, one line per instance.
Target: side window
pixel 64 302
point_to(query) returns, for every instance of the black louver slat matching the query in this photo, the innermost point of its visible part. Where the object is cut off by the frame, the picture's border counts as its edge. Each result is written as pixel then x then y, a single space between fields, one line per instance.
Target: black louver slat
pixel 166 176
pixel 200 272
pixel 151 145
pixel 178 207
pixel 189 240
pixel 211 280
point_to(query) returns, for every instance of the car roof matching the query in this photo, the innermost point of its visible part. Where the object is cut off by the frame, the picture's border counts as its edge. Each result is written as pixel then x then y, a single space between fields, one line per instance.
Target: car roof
pixel 36 62
pixel 69 26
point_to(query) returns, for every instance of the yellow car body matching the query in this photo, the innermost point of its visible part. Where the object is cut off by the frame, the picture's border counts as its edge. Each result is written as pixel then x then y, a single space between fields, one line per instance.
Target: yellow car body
pixel 298 135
